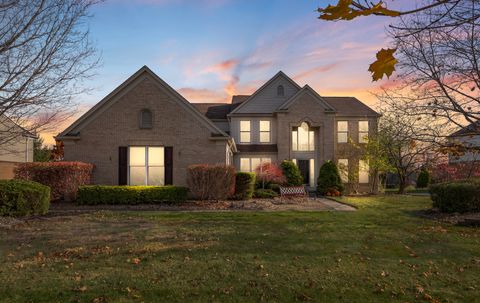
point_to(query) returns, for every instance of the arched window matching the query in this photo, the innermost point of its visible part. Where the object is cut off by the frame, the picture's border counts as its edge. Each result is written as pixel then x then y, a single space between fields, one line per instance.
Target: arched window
pixel 280 91
pixel 146 118
pixel 303 138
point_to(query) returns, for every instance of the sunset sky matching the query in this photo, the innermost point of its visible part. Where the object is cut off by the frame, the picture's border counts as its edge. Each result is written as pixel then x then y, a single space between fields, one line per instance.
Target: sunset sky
pixel 211 49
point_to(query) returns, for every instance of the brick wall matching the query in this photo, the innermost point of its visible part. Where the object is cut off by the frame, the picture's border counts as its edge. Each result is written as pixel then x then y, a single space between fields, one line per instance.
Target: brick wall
pixel 118 125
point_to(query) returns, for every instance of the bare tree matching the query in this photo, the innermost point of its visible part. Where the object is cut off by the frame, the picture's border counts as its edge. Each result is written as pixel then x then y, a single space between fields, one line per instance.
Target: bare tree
pixel 396 141
pixel 45 54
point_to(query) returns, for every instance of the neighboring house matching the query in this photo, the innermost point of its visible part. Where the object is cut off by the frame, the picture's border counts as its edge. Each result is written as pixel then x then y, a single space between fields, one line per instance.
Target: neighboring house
pixel 145 132
pixel 16 146
pixel 468 137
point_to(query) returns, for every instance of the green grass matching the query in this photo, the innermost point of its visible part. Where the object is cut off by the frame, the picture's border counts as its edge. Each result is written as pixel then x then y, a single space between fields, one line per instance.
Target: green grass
pixel 381 253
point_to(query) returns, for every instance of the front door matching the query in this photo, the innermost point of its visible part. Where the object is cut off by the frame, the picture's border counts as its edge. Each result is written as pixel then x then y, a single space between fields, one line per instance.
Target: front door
pixel 304 166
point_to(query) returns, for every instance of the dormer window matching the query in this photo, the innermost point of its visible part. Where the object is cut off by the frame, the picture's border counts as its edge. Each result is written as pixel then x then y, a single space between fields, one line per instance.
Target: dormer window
pixel 146 119
pixel 280 91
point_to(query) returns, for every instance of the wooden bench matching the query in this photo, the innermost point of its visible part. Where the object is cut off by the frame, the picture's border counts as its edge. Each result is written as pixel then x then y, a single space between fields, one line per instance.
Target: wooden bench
pixel 292 191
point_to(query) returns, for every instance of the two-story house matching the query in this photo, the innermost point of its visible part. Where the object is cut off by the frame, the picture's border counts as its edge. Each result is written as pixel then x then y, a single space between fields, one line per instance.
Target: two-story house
pixel 145 132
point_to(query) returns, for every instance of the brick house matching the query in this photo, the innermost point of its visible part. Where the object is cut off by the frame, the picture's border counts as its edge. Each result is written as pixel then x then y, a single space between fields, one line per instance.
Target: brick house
pixel 145 132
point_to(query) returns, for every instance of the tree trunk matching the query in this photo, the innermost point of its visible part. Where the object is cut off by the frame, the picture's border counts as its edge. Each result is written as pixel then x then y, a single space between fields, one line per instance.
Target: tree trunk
pixel 402 184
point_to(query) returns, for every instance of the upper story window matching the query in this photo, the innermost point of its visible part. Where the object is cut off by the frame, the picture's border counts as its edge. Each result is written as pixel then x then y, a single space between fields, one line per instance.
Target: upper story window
pixel 280 91
pixel 264 131
pixel 303 138
pixel 146 118
pixel 245 131
pixel 362 131
pixel 342 131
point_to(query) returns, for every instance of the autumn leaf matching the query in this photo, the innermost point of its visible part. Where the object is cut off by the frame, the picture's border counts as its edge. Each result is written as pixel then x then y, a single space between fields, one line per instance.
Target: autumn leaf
pixel 384 65
pixel 346 10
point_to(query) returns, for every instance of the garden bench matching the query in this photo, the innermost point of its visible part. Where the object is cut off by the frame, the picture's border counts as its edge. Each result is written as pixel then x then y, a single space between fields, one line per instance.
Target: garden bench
pixel 292 191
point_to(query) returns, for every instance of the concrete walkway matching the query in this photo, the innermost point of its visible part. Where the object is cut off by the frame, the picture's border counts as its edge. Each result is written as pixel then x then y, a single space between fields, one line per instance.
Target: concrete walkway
pixel 336 205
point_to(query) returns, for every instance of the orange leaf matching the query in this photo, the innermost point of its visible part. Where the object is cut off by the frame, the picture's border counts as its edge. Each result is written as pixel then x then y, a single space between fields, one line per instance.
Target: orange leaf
pixel 384 65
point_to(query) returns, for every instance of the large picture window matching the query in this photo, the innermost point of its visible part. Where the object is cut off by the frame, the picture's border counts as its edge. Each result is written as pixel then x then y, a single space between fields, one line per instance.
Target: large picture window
pixel 264 131
pixel 244 131
pixel 303 139
pixel 146 165
pixel 250 164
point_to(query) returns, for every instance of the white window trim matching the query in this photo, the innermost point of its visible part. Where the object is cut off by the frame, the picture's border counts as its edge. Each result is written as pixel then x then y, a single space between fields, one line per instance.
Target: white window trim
pixel 269 132
pixel 250 168
pixel 245 131
pixel 311 140
pixel 147 167
pixel 363 135
pixel 344 170
pixel 342 132
pixel 366 171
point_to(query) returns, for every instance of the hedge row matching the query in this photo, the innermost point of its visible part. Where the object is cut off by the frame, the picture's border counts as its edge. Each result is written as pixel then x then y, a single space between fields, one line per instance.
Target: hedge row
pixel 63 178
pixel 459 196
pixel 23 198
pixel 100 194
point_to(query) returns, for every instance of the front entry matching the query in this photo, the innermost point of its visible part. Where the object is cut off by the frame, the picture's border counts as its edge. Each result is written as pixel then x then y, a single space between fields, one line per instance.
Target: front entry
pixel 304 166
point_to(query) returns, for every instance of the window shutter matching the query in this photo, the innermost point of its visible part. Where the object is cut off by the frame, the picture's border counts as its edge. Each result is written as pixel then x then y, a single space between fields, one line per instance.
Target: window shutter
pixel 122 165
pixel 168 165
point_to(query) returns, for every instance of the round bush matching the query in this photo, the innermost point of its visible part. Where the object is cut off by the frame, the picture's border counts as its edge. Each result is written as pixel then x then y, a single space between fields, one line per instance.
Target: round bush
pixel 292 173
pixel 329 179
pixel 423 179
pixel 23 198
pixel 460 196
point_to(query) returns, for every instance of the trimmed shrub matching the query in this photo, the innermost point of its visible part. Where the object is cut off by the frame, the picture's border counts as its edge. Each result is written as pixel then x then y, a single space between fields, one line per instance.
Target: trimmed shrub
pixel 265 194
pixel 244 185
pixel 423 179
pixel 103 194
pixel 274 187
pixel 63 178
pixel 23 198
pixel 292 173
pixel 329 180
pixel 211 182
pixel 269 173
pixel 461 196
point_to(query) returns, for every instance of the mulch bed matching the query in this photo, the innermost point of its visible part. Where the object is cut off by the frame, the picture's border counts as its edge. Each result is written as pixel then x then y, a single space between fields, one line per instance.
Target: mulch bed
pixel 466 219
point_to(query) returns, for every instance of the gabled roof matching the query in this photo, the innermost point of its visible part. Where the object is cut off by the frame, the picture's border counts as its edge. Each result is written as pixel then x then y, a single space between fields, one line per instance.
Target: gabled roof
pixel 278 75
pixel 471 129
pixel 239 98
pixel 11 125
pixel 350 106
pixel 215 111
pixel 306 90
pixel 73 130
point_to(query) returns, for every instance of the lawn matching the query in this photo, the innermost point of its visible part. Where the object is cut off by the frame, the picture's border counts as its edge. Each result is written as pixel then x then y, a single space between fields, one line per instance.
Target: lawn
pixel 381 253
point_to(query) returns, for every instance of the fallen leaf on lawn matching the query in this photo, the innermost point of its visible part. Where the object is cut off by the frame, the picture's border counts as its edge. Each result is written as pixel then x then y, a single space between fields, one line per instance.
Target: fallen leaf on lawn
pixel 82 289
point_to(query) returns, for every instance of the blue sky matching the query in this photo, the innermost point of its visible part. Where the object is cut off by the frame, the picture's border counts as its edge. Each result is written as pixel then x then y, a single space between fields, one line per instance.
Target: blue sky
pixel 211 49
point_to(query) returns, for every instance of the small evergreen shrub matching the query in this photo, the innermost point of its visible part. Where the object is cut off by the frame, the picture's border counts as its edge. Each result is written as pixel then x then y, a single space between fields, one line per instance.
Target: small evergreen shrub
pixel 244 185
pixel 292 173
pixel 265 194
pixel 103 194
pixel 211 182
pixel 63 178
pixel 274 187
pixel 329 181
pixel 23 198
pixel 460 196
pixel 423 179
